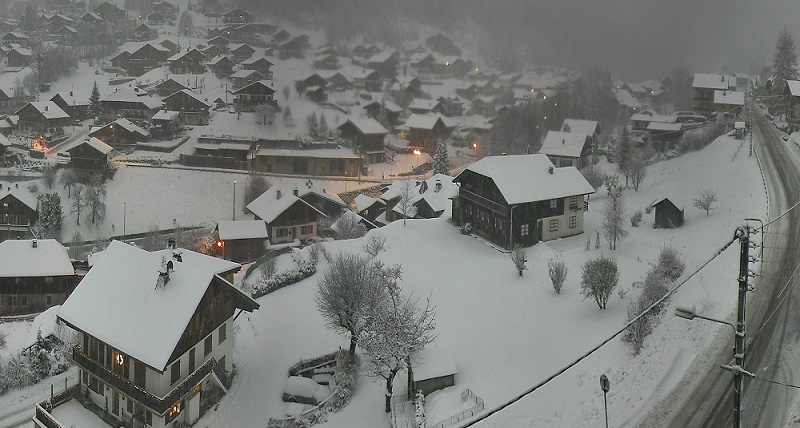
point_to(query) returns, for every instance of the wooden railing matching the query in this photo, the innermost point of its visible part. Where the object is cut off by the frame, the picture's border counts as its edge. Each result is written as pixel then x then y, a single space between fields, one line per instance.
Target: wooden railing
pixel 483 201
pixel 46 419
pixel 160 405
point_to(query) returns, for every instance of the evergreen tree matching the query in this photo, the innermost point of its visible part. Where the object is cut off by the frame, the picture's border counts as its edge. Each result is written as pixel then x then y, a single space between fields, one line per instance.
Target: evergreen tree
pixel 323 126
pixel 441 165
pixel 313 126
pixel 94 101
pixel 784 66
pixel 51 215
pixel 186 24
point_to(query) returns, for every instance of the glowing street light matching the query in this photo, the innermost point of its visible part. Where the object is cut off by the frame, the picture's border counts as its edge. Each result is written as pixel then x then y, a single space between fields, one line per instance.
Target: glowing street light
pixel 418 154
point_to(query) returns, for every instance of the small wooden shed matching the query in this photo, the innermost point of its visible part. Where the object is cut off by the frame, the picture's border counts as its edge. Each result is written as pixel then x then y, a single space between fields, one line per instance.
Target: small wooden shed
pixel 436 370
pixel 669 213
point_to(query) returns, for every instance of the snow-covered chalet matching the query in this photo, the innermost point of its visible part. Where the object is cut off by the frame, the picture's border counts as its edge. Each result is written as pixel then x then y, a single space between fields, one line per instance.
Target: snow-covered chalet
pixel 155 335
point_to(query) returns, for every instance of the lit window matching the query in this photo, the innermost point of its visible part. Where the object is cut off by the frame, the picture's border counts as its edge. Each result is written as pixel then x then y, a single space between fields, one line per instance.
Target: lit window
pixel 554 225
pixel 118 358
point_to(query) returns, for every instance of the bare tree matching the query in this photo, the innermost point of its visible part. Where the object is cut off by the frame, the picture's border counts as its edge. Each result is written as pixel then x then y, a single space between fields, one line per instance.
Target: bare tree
pixel 266 114
pixel 558 273
pixel 68 178
pixel 600 278
pixel 594 176
pixel 95 197
pixel 374 245
pixel 267 268
pixel 637 172
pixel 78 204
pixel 408 195
pixel 519 257
pixel 347 226
pixel 49 176
pixel 614 213
pixel 346 292
pixel 706 201
pixel 395 332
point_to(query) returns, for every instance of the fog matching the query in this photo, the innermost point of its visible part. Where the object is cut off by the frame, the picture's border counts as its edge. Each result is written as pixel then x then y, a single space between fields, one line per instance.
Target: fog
pixel 634 39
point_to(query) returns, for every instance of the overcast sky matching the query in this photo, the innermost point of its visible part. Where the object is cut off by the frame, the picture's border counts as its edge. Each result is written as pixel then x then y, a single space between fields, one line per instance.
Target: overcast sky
pixel 645 38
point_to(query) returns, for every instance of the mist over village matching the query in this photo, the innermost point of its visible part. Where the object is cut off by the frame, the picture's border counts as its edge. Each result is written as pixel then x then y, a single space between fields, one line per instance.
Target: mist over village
pixel 351 213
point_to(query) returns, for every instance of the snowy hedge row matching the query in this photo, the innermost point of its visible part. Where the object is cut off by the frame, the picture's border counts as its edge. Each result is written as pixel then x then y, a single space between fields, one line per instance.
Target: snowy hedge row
pixel 303 365
pixel 346 377
pixel 303 270
pixel 47 357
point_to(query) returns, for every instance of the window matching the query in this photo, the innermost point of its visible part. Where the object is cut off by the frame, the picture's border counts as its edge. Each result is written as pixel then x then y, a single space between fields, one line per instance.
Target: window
pixel 175 372
pixel 222 334
pixel 281 232
pixel 307 230
pixel 553 204
pixel 554 225
pixel 524 230
pixel 208 345
pixel 191 361
pixel 573 201
pixel 173 413
pixel 23 300
pixel 573 222
pixel 130 405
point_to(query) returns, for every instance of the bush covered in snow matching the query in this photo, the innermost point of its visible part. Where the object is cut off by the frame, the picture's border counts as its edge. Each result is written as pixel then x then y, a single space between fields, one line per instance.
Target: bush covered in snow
pixel 558 273
pixel 636 218
pixel 419 410
pixel 304 269
pixel 45 358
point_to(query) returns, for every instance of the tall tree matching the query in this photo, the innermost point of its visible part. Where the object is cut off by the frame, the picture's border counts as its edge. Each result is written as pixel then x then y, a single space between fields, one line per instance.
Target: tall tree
pixel 408 195
pixel 614 213
pixel 51 215
pixel 68 178
pixel 441 165
pixel 784 65
pixel 94 101
pixel 95 198
pixel 78 205
pixel 345 294
pixel 186 24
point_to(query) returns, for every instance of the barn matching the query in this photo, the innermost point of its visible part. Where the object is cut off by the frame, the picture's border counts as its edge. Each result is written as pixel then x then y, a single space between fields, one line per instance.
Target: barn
pixel 669 213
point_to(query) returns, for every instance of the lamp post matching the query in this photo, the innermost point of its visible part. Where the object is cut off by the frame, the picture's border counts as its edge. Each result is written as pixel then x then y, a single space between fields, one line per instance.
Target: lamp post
pixel 418 154
pixel 124 215
pixel 234 200
pixel 605 385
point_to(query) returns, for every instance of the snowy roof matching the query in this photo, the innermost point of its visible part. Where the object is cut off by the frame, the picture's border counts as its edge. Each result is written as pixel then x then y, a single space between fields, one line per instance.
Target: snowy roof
pixel 729 98
pixel 17 258
pixel 664 126
pixel 381 56
pixel 419 104
pixel 216 60
pixel 131 127
pixel 363 202
pixel 45 322
pixel 343 153
pixel 794 87
pixel 241 229
pixel 189 94
pixel 97 145
pixel 678 202
pixel 625 98
pixel 244 74
pixel 21 194
pixel 588 127
pixel 438 199
pixel 560 143
pixel 49 109
pixel 710 81
pixel 4 141
pixel 423 121
pixel 276 200
pixel 22 51
pixel 527 178
pixel 166 115
pixel 367 126
pixel 651 117
pixel 153 317
pixel 127 95
pixel 434 362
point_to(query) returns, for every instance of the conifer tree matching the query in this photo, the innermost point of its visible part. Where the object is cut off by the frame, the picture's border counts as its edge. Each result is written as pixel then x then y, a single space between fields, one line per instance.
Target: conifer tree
pixel 441 165
pixel 94 101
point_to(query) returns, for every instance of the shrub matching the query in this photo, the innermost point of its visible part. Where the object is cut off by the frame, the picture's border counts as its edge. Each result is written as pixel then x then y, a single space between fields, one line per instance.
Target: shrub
pixel 635 333
pixel 304 270
pixel 558 273
pixel 375 245
pixel 600 277
pixel 636 218
pixel 519 258
pixel 670 263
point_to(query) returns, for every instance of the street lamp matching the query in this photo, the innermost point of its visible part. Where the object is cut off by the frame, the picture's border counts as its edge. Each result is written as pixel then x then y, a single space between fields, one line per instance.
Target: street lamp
pixel 418 154
pixel 234 200
pixel 689 313
pixel 605 385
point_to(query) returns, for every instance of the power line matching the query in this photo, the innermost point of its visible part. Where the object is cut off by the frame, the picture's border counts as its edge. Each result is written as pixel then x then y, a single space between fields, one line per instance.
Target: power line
pixel 601 344
pixel 782 297
pixel 777 218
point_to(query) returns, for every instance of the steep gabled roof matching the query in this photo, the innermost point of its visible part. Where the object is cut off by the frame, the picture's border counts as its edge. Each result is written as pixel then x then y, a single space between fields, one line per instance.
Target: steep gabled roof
pixel 187 93
pixel 241 229
pixel 367 126
pixel 528 178
pixel 423 121
pixel 568 144
pixel 153 317
pixel 264 83
pixel 48 109
pixel 95 144
pixel 588 127
pixel 270 205
pixel 51 257
pixel 710 81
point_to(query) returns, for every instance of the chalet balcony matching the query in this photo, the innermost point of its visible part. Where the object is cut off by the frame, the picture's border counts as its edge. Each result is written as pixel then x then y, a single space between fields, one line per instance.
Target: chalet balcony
pixel 482 201
pixel 159 405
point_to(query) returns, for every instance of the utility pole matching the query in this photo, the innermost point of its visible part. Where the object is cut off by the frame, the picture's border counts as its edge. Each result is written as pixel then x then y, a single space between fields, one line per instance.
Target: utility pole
pixel 750 111
pixel 743 233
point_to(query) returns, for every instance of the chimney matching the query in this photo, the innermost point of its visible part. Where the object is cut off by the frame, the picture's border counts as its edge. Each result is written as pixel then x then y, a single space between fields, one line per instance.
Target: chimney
pixel 550 170
pixel 34 243
pixel 278 194
pixel 563 141
pixel 296 192
pixel 70 93
pixel 438 186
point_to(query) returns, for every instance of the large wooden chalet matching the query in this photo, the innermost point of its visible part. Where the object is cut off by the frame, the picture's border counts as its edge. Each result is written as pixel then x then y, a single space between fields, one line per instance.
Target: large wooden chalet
pixel 567 148
pixel 130 105
pixel 18 211
pixel 176 309
pixel 193 110
pixel 34 275
pixel 187 62
pixel 295 213
pixel 42 118
pixel 367 136
pixel 424 131
pixel 120 132
pixel 249 96
pixel 520 200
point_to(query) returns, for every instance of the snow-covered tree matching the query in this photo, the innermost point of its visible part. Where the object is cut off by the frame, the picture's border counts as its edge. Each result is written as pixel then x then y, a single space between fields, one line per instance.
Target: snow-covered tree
pixel 78 204
pixel 600 278
pixel 784 65
pixel 49 173
pixel 623 153
pixel 707 201
pixel 408 195
pixel 347 290
pixel 519 258
pixel 594 176
pixel 94 101
pixel 670 262
pixel 323 126
pixel 266 114
pixel 441 164
pixel 614 213
pixel 313 125
pixel 51 215
pixel 558 273
pixel 186 24
pixel 395 332
pixel 348 226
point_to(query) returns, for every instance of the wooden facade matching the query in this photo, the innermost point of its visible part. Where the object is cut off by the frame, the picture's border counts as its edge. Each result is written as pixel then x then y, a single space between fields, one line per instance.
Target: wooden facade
pixel 33 294
pixel 248 97
pixel 193 110
pixel 16 216
pixel 668 215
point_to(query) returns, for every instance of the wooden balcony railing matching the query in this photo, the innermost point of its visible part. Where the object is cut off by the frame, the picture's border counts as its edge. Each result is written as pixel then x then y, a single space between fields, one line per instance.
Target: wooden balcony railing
pixel 160 405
